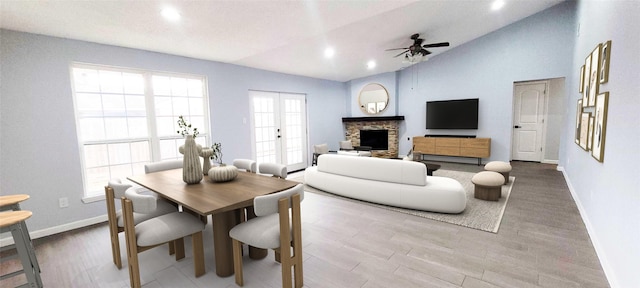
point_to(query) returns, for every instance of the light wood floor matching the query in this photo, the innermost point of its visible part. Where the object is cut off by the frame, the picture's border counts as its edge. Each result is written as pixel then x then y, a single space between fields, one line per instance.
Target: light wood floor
pixel 542 242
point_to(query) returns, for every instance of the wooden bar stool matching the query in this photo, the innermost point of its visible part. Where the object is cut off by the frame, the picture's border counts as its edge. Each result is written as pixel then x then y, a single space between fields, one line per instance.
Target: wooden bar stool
pixel 14 222
pixel 12 202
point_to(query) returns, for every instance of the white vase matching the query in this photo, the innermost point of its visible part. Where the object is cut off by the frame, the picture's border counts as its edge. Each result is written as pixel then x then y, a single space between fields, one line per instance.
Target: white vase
pixel 206 161
pixel 191 166
pixel 223 173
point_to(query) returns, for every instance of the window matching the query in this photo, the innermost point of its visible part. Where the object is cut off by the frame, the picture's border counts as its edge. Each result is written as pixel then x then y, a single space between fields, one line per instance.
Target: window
pixel 128 118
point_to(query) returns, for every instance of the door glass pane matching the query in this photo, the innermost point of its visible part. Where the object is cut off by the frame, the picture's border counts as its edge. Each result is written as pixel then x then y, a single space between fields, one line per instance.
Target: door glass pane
pixel 293 131
pixel 264 129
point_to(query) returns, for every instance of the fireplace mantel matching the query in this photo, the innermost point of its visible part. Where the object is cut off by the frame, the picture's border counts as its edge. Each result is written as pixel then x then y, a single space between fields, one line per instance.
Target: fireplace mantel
pixel 369 119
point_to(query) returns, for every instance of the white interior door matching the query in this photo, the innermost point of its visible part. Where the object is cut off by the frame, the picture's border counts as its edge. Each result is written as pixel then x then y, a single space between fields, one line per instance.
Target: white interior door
pixel 279 128
pixel 528 121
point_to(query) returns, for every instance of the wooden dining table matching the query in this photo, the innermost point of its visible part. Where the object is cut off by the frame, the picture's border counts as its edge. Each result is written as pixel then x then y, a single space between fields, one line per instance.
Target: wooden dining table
pixel 223 201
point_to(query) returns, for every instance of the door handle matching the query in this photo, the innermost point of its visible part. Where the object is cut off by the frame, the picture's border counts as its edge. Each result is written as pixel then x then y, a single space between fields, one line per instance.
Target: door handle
pixel 517 126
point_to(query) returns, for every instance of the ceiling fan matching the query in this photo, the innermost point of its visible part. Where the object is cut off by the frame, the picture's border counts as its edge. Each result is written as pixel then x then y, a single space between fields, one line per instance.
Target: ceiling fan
pixel 417 49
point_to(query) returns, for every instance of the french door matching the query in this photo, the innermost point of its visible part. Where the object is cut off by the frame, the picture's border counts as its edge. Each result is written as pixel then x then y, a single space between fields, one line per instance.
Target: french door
pixel 279 128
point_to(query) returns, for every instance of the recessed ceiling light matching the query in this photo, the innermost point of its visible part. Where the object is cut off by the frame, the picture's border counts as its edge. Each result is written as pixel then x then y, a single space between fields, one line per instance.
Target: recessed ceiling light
pixel 329 52
pixel 371 64
pixel 496 5
pixel 170 14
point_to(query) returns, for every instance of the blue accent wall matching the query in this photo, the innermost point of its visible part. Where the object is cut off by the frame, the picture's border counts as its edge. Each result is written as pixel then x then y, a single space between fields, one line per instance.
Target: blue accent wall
pixel 39 147
pixel 39 151
pixel 608 193
pixel 538 47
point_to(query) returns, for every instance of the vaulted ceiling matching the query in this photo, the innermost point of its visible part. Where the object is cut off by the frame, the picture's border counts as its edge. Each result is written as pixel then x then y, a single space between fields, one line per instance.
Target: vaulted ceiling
pixel 283 36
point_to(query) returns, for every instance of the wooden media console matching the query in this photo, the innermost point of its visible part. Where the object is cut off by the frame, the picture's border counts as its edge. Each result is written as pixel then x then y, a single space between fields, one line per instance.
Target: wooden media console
pixel 453 146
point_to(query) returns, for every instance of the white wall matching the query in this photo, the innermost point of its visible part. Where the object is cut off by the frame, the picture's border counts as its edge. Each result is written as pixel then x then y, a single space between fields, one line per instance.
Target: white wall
pixel 608 193
pixel 39 147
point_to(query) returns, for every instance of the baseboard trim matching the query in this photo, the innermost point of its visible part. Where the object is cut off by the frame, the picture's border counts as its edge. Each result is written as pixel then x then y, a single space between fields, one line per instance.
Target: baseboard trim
pixel 547 161
pixel 606 267
pixel 57 229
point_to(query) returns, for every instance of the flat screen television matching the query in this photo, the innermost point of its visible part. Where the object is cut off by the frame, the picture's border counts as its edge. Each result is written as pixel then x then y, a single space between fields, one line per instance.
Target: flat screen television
pixel 452 114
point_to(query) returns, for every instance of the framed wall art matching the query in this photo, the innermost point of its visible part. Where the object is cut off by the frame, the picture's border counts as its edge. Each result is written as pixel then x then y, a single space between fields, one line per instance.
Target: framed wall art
pixel 590 134
pixel 593 76
pixel 581 88
pixel 585 89
pixel 600 126
pixel 578 114
pixel 604 63
pixel 584 129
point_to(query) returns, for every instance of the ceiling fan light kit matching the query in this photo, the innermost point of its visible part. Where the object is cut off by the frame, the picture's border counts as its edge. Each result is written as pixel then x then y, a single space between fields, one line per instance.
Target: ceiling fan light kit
pixel 410 59
pixel 417 52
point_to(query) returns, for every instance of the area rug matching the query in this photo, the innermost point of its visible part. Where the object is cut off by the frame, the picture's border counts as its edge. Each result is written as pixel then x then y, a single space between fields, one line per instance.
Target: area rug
pixel 479 214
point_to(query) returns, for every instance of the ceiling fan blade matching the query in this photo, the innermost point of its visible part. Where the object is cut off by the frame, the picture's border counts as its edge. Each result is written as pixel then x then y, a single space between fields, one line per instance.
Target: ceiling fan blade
pixel 442 44
pixel 396 49
pixel 401 53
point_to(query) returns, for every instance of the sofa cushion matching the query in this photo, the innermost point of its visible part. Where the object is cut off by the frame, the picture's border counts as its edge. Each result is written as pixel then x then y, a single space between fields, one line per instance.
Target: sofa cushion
pixel 371 168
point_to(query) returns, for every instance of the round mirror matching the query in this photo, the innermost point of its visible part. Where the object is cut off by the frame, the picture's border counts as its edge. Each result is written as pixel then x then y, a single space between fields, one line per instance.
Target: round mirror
pixel 373 98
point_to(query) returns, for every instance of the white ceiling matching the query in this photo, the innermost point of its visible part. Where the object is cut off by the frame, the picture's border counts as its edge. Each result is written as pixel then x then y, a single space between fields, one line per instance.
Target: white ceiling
pixel 282 36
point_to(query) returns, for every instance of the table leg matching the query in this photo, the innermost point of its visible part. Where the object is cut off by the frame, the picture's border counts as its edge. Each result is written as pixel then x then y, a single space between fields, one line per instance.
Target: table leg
pixel 222 223
pixel 254 252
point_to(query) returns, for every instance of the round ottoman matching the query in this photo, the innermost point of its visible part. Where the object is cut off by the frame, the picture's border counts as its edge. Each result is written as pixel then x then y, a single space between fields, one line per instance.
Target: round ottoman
pixel 501 167
pixel 488 185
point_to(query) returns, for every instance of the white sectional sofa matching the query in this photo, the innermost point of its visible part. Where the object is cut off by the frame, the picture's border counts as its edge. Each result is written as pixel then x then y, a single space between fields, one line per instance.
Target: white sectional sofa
pixel 386 181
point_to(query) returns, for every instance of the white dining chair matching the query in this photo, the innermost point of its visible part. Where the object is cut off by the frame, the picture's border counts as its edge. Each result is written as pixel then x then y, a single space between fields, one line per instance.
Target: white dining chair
pixel 246 165
pixel 115 190
pixel 275 228
pixel 274 169
pixel 162 165
pixel 168 228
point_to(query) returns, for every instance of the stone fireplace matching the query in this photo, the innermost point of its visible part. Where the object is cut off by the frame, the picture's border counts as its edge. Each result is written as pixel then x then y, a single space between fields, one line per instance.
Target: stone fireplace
pixel 353 125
